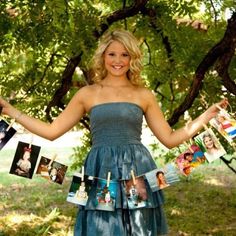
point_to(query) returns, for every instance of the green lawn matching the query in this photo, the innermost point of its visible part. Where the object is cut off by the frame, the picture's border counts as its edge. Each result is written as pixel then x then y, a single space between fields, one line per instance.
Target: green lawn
pixel 204 204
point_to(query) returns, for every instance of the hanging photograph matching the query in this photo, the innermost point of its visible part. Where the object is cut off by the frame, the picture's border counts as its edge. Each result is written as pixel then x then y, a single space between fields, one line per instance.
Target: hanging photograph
pixel 225 125
pixel 6 133
pixel 191 158
pixel 171 174
pixel 163 177
pixel 136 193
pixel 106 195
pixel 210 145
pixel 25 160
pixel 79 189
pixel 51 170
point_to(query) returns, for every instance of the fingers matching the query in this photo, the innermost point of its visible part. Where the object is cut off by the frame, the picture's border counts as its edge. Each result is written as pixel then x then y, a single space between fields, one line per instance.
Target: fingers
pixel 3 105
pixel 222 104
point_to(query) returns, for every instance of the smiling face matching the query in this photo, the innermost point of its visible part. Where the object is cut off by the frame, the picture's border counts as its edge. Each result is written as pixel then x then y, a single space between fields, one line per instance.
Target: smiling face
pixel 117 60
pixel 209 143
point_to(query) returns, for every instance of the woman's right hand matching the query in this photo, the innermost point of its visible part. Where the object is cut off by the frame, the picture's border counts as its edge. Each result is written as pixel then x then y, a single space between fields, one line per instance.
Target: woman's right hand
pixel 7 109
pixel 3 105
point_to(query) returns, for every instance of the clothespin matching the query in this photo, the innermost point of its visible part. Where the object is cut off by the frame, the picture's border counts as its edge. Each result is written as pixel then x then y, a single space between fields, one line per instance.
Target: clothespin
pixel 219 107
pixel 82 174
pixel 191 141
pixel 10 125
pixel 52 160
pixel 31 140
pixel 189 147
pixel 133 177
pixel 108 178
pixel 205 127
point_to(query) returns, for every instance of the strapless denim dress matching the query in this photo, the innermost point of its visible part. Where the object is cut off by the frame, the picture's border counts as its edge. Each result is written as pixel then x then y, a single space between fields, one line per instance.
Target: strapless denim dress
pixel 116 147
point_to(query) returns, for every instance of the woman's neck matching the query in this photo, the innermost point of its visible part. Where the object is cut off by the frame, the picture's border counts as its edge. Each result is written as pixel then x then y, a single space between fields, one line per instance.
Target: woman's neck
pixel 115 82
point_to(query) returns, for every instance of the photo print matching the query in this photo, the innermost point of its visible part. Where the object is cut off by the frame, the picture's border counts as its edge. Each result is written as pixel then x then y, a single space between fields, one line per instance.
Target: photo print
pixel 171 174
pixel 79 189
pixel 225 125
pixel 6 133
pixel 210 145
pixel 162 178
pixel 51 170
pixel 25 160
pixel 136 192
pixel 191 158
pixel 106 193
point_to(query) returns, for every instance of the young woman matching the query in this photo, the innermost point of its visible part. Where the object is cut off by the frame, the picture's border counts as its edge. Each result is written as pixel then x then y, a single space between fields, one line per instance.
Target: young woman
pixel 117 103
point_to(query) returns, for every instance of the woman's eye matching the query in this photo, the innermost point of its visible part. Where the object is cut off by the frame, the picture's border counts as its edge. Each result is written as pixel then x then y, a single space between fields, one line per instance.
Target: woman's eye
pixel 111 54
pixel 125 54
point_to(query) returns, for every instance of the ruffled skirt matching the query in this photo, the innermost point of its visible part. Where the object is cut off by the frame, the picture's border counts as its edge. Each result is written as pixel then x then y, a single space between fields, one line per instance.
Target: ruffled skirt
pixel 120 160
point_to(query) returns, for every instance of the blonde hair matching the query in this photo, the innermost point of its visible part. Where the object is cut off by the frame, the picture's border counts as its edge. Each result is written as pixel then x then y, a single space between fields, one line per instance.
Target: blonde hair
pixel 131 45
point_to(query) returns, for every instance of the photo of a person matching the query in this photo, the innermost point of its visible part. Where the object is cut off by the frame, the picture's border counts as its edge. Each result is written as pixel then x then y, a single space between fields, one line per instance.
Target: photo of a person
pixel 24 164
pixel 51 170
pixel 225 125
pixel 136 193
pixel 191 158
pixel 81 192
pixel 79 189
pixel 184 162
pixel 6 133
pixel 161 180
pixel 25 160
pixel 212 147
pixel 157 181
pixel 106 195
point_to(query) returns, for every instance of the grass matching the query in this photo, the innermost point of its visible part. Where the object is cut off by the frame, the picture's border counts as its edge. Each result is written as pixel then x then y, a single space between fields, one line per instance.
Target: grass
pixel 204 204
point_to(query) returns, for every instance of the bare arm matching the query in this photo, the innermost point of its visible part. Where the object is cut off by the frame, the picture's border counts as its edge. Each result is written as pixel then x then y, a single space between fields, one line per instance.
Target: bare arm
pixel 162 130
pixel 64 122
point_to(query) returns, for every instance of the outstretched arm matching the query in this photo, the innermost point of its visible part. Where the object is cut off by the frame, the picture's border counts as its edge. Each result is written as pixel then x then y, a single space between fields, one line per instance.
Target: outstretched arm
pixel 172 138
pixel 64 122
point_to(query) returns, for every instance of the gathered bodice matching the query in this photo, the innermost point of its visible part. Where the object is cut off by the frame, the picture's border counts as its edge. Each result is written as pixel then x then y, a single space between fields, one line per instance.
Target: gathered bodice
pixel 116 123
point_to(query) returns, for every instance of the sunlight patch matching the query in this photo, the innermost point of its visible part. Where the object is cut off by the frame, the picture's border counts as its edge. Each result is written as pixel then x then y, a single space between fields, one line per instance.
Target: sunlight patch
pixel 214 182
pixel 175 212
pixel 18 219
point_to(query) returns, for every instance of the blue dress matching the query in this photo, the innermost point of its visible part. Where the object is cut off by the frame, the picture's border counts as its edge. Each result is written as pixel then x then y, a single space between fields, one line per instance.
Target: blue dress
pixel 116 147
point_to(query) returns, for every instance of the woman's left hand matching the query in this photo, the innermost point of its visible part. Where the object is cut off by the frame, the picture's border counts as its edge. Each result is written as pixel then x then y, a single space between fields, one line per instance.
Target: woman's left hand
pixel 215 108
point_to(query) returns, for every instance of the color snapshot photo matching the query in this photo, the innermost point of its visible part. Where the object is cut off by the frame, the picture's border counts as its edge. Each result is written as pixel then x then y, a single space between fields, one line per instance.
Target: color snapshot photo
pixel 51 170
pixel 225 125
pixel 136 193
pixel 79 189
pixel 106 193
pixel 163 177
pixel 191 158
pixel 6 133
pixel 210 145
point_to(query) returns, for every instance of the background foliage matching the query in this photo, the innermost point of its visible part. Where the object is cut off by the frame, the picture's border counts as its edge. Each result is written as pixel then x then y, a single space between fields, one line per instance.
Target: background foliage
pixel 188 47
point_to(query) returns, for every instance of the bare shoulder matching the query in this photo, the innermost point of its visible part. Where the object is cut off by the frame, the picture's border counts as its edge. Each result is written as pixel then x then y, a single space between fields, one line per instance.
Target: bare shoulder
pixel 86 91
pixel 146 92
pixel 86 95
pixel 147 97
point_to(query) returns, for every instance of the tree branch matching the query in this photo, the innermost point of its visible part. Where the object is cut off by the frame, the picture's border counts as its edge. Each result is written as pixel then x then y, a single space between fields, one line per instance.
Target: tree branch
pixel 120 15
pixel 73 62
pixel 220 52
pixel 65 85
